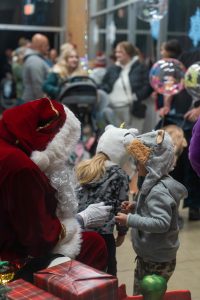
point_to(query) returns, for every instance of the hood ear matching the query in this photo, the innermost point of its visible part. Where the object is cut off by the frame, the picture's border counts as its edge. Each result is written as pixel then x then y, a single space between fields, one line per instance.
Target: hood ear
pixel 130 136
pixel 160 136
pixel 133 131
pixel 109 127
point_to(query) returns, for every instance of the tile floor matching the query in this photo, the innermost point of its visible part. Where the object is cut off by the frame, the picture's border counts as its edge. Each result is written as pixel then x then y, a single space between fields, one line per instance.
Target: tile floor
pixel 187 273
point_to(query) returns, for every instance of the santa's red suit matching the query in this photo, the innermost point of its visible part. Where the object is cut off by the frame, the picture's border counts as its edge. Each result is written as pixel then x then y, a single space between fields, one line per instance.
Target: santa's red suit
pixel 38 206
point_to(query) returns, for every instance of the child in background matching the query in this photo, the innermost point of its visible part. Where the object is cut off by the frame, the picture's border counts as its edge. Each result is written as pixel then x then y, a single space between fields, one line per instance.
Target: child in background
pixel 102 178
pixel 155 219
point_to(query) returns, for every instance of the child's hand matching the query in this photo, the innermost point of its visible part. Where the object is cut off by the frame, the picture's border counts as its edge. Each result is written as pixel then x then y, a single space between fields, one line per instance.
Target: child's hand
pixel 164 111
pixel 121 219
pixel 127 207
pixel 119 240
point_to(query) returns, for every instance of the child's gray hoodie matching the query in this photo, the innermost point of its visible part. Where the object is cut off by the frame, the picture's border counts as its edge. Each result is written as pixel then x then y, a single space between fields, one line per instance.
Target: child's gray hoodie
pixel 155 221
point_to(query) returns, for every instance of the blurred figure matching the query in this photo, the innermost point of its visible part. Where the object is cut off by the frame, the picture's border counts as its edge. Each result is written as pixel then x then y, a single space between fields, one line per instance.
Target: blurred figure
pixel 6 62
pixel 182 112
pixel 99 68
pixel 126 82
pixel 67 66
pixel 17 71
pixel 169 49
pixel 52 57
pixel 35 68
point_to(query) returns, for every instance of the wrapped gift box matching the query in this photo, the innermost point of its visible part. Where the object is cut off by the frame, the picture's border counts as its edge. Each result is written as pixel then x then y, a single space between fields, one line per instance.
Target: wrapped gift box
pixel 22 290
pixel 73 280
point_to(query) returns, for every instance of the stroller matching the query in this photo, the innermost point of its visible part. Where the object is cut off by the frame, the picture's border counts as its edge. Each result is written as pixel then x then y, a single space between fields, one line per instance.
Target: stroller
pixel 79 93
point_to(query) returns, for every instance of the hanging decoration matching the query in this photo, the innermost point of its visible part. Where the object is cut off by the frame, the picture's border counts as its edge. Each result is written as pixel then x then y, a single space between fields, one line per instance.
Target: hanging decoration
pixel 148 10
pixel 111 32
pixel 155 28
pixel 195 28
pixel 95 34
pixel 192 81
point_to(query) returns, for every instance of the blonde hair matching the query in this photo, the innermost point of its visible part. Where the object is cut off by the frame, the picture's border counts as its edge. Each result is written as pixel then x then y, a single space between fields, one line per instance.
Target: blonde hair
pixel 62 67
pixel 91 170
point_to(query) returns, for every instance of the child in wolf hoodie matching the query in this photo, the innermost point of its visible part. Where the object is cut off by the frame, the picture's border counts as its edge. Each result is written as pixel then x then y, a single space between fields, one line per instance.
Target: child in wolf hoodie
pixel 155 219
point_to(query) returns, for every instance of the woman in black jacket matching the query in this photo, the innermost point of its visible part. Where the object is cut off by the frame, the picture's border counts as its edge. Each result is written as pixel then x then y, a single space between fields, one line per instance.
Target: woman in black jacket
pixel 127 82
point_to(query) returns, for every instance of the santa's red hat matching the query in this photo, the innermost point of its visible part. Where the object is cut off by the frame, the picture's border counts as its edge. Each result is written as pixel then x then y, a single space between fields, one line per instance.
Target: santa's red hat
pixel 33 126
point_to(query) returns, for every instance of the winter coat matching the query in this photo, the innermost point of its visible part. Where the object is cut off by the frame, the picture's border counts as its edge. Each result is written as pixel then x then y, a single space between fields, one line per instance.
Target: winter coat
pixel 35 71
pixel 138 76
pixel 155 221
pixel 52 85
pixel 112 189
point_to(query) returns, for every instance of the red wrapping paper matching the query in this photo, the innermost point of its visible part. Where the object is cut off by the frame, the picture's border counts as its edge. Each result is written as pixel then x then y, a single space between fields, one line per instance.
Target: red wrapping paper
pixel 73 280
pixel 22 290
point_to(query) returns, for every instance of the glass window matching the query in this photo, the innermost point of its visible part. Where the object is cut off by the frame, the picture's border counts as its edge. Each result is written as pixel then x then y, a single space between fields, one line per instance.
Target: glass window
pixel 145 44
pixel 101 46
pixel 38 13
pixel 185 10
pixel 121 18
pixel 100 4
pixel 101 21
pixel 119 38
pixel 119 1
pixel 142 25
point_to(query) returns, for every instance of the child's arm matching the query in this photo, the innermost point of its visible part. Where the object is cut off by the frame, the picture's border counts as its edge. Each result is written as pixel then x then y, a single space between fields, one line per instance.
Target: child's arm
pixel 121 219
pixel 166 107
pixel 119 240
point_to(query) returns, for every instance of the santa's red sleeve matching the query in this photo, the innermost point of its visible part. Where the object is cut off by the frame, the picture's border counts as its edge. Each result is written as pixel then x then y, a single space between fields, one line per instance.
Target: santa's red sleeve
pixel 32 227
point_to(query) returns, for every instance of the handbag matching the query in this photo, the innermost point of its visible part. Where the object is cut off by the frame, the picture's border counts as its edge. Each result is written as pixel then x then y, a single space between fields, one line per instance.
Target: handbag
pixel 138 109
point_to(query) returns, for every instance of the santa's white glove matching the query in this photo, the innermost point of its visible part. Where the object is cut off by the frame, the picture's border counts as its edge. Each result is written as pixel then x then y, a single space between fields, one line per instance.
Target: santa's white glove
pixel 95 215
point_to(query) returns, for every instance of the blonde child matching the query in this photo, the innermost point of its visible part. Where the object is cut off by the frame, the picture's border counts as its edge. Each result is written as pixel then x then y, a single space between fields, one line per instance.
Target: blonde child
pixel 102 178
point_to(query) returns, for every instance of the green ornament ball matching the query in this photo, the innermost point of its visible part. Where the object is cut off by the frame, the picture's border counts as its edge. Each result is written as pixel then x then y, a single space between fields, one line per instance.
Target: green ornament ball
pixel 153 287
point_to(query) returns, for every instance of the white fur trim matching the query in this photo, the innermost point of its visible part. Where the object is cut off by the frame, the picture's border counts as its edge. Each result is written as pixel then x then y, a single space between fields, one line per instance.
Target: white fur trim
pixel 70 246
pixel 58 261
pixel 59 149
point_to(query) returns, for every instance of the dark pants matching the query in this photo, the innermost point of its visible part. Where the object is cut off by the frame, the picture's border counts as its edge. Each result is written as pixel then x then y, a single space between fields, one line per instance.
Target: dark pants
pixel 111 248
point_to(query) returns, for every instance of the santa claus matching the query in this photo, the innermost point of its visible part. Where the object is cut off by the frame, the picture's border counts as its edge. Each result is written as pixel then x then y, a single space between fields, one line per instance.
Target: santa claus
pixel 38 219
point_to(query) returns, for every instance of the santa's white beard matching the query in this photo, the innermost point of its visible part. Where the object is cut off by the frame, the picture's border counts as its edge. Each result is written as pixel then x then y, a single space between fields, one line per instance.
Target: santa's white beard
pixel 52 161
pixel 62 179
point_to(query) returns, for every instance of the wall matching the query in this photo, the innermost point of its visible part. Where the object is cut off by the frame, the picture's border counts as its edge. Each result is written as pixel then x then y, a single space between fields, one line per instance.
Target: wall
pixel 77 24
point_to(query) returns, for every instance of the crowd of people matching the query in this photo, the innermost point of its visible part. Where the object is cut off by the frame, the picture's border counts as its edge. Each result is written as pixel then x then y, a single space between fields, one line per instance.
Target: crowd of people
pixel 52 209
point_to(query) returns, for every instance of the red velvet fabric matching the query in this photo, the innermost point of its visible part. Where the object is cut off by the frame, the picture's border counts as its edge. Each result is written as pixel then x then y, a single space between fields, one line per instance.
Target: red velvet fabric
pixel 28 223
pixel 32 125
pixel 93 251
